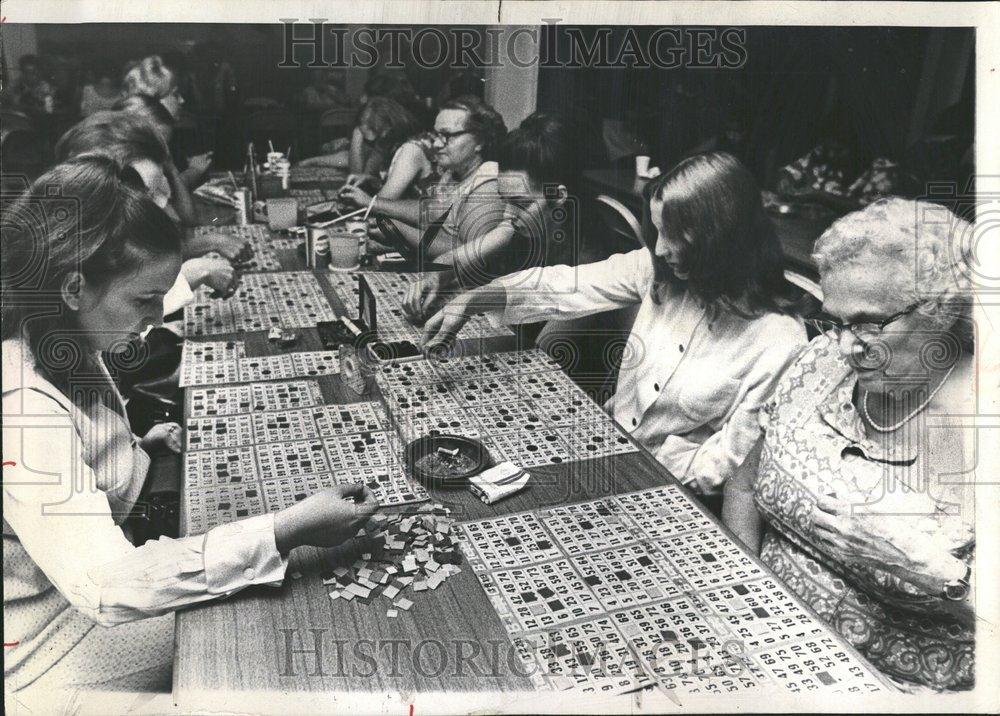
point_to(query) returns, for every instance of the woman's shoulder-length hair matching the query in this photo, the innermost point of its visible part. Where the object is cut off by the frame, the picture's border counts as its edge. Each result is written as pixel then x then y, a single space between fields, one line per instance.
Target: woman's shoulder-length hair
pixel 733 260
pixel 90 215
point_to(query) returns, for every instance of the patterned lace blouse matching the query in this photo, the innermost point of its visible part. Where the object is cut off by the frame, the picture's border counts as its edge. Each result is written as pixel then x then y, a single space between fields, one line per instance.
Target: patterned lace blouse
pixel 815 443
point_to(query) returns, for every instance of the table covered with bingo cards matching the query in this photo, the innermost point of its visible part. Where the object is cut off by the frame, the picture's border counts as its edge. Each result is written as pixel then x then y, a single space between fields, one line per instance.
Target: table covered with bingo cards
pixel 604 576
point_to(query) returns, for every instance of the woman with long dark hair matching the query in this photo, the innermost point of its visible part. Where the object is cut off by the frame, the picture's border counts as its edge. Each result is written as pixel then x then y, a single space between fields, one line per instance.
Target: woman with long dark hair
pixel 87 258
pixel 712 333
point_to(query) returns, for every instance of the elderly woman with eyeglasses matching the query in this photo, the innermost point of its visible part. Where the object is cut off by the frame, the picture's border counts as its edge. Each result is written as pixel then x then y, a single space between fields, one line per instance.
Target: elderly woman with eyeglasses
pixel 863 485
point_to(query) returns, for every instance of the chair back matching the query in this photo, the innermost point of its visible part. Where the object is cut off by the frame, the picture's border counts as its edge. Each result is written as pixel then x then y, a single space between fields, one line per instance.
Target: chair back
pixel 811 300
pixel 619 221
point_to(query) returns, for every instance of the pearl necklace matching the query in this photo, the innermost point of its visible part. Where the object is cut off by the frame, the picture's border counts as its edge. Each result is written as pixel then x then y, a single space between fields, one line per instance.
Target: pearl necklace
pixel 908 418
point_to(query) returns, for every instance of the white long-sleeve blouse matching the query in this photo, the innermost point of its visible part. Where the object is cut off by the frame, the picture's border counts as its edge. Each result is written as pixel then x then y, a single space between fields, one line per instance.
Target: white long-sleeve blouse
pixel 70 478
pixel 691 380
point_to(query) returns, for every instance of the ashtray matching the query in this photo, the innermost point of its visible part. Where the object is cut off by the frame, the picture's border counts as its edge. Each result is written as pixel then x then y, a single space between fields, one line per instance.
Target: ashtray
pixel 446 460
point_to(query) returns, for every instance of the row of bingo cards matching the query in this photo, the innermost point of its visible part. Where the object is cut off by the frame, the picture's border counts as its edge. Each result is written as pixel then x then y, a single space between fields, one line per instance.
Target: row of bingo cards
pixel 608 595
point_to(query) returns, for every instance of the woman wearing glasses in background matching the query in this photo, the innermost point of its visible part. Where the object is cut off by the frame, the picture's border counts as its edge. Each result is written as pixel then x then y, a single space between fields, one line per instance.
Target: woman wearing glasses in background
pixel 865 491
pixel 464 205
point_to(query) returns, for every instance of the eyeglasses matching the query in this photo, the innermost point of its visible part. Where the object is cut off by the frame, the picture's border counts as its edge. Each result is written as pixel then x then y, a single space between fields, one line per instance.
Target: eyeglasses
pixel 827 324
pixel 446 137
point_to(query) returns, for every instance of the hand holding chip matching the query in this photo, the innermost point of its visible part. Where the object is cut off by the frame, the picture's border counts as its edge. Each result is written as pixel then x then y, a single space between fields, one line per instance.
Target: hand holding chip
pixel 441 329
pixel 422 297
pixel 324 519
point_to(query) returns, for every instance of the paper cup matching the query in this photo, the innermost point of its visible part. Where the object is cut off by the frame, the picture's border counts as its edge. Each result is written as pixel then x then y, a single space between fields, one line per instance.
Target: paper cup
pixel 282 213
pixel 344 251
pixel 641 165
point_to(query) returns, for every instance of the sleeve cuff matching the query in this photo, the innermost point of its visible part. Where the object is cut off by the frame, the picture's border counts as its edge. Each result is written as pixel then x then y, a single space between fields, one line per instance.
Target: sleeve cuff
pixel 243 553
pixel 179 295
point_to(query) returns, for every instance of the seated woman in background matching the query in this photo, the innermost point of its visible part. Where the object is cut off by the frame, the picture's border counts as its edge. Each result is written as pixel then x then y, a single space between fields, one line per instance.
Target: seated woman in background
pixel 153 112
pixel 153 78
pixel 352 153
pixel 70 571
pixel 383 126
pixel 464 205
pixel 867 506
pixel 132 141
pixel 387 128
pixel 101 94
pixel 137 143
pixel 712 333
pixel 538 173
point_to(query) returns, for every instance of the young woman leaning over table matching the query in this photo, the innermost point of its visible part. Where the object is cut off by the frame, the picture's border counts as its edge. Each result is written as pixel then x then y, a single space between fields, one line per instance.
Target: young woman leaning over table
pixel 76 284
pixel 713 330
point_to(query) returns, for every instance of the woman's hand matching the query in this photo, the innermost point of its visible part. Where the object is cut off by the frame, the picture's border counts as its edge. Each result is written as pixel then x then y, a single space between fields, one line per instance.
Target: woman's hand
pixel 324 519
pixel 212 271
pixel 164 437
pixel 358 179
pixel 230 246
pixel 199 163
pixel 877 539
pixel 422 296
pixel 355 195
pixel 441 328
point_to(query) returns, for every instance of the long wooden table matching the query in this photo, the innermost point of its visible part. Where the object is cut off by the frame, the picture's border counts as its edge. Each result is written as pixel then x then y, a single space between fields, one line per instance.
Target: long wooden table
pixel 294 639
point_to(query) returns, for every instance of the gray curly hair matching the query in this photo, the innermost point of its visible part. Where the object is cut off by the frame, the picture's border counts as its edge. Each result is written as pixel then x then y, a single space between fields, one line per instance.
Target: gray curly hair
pixel 908 237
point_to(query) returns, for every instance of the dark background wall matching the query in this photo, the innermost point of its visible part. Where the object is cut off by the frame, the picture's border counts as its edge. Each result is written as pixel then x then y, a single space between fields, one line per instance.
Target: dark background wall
pixel 877 90
pixel 865 87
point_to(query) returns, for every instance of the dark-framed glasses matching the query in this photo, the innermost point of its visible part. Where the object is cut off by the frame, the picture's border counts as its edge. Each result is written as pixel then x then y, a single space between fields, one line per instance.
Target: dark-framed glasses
pixel 827 324
pixel 446 137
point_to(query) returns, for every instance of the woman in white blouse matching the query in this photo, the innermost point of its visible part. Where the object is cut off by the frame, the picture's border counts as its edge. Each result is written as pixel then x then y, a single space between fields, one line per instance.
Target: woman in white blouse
pixel 713 332
pixel 87 259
